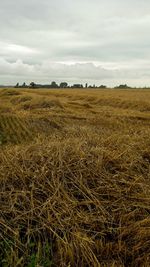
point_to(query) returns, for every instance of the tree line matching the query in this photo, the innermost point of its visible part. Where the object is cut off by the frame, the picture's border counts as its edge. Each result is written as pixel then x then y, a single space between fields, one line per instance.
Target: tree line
pixel 65 85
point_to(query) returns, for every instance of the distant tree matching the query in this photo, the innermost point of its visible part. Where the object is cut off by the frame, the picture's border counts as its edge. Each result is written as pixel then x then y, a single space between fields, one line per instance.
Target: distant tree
pixel 122 86
pixel 54 85
pixel 24 84
pixel 102 86
pixel 86 85
pixel 63 85
pixel 32 84
pixel 17 85
pixel 77 86
pixel 92 86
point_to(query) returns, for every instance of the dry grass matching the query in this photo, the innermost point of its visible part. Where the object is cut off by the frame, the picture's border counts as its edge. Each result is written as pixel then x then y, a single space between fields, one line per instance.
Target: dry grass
pixel 75 178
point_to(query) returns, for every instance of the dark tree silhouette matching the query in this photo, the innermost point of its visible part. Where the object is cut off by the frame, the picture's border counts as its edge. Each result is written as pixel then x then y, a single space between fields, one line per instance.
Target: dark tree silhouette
pixel 77 86
pixel 102 86
pixel 54 85
pixel 63 85
pixel 17 85
pixel 24 84
pixel 122 86
pixel 32 84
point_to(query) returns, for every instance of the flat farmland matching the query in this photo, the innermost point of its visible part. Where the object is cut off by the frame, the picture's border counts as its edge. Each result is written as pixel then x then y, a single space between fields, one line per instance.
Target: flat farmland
pixel 75 177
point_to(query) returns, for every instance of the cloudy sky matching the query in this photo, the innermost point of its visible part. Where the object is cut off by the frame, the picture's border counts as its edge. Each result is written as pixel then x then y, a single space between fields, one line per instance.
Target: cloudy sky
pixel 94 41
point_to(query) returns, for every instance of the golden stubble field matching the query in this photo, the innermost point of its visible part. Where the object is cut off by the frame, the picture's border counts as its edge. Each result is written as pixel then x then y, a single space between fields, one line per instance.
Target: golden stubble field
pixel 75 178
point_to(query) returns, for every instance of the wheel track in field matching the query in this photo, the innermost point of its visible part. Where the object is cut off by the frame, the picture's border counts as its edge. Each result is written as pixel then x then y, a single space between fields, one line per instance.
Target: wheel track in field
pixel 14 129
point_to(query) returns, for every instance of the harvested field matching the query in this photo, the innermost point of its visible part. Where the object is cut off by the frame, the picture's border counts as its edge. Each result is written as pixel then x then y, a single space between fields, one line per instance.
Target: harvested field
pixel 75 178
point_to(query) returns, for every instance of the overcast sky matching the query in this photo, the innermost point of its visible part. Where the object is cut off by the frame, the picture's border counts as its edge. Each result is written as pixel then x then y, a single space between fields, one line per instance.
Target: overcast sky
pixel 94 41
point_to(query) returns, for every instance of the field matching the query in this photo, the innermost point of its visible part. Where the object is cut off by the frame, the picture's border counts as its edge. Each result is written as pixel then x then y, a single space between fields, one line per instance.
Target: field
pixel 75 178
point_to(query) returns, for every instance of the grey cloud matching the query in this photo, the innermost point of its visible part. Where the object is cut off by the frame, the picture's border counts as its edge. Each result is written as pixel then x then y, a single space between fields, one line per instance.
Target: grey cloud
pixel 34 33
pixel 83 72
